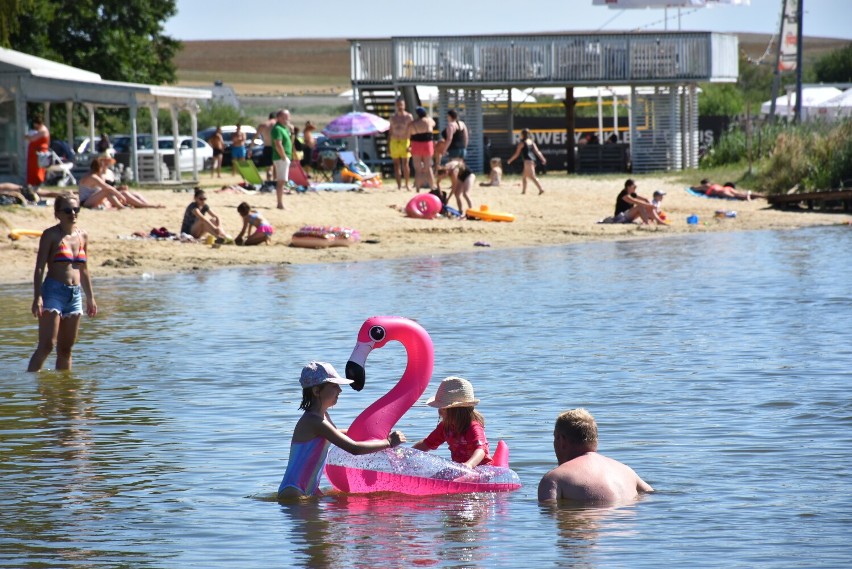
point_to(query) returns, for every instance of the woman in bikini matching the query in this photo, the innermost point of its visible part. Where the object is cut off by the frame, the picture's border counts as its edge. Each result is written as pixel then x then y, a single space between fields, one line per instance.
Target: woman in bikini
pixel 422 148
pixel 528 150
pixel 57 299
pixel 96 191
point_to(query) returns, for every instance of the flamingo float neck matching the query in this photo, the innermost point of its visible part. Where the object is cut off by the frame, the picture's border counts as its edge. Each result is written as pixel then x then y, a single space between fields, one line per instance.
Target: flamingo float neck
pixel 377 420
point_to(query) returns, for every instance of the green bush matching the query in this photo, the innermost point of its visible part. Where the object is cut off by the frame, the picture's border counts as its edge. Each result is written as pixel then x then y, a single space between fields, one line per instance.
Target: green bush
pixel 814 156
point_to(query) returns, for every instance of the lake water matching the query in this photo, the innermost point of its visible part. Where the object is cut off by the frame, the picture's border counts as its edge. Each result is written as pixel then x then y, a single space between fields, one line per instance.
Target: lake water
pixel 717 366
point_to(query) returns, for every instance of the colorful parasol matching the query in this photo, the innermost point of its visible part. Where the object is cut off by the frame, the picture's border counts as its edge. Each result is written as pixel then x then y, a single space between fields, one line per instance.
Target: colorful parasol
pixel 355 124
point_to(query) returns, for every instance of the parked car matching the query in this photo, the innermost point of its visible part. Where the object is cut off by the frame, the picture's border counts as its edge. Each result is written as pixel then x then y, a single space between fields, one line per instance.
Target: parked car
pixel 145 146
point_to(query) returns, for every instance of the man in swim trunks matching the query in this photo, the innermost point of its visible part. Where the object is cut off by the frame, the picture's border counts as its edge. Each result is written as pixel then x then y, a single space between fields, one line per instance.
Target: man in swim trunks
pixel 264 131
pixel 583 475
pixel 399 142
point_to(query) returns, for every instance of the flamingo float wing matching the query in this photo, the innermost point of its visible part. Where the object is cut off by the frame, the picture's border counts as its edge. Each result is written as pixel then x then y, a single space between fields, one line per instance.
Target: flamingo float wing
pixel 404 470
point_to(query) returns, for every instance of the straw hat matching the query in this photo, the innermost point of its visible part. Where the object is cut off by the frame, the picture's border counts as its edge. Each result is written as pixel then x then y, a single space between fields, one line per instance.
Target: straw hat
pixel 453 392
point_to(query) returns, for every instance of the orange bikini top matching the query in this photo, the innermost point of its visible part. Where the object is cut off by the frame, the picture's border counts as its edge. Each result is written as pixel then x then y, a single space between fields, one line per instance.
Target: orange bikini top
pixel 65 255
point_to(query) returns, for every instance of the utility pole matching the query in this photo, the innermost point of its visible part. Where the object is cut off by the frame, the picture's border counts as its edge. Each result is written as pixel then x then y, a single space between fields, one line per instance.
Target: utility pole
pixel 799 49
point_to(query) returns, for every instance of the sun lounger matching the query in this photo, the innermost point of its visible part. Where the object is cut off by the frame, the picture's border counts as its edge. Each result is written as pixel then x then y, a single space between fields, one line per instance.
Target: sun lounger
pixel 356 166
pixel 249 172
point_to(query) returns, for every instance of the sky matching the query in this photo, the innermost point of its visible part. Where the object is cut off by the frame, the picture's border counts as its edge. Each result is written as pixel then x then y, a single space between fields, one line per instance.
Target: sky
pixel 285 19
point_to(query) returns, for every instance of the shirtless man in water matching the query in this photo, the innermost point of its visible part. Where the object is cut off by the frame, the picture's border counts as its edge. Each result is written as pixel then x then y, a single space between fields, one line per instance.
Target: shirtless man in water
pixel 583 475
pixel 399 142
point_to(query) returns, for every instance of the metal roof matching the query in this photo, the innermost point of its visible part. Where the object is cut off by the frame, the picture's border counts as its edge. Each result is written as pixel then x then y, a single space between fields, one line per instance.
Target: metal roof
pixel 46 80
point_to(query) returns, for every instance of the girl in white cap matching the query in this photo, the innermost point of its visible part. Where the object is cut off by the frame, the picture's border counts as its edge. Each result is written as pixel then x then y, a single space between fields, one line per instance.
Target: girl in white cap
pixel 462 427
pixel 315 433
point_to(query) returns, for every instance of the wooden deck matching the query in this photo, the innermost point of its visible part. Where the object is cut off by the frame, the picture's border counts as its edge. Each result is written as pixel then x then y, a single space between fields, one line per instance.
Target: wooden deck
pixel 813 199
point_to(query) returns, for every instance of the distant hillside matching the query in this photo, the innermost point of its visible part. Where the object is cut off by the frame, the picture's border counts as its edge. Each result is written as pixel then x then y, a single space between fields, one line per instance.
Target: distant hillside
pixel 321 66
pixel 267 67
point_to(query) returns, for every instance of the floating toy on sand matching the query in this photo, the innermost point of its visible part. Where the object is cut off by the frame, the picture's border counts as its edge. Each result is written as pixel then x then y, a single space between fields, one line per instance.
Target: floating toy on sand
pixel 366 180
pixel 423 206
pixel 405 470
pixel 485 215
pixel 316 237
pixel 16 234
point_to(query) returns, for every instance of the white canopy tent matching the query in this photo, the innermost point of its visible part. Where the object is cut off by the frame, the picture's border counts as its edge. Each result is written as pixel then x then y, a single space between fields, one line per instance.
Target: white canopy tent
pixel 812 97
pixel 836 108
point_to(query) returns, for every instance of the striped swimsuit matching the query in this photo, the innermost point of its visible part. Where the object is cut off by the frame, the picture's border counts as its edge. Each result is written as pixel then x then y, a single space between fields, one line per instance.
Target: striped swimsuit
pixel 304 469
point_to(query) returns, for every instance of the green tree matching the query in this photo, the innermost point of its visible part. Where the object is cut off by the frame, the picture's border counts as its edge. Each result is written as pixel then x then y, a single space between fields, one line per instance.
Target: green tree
pixel 122 40
pixel 10 13
pixel 755 83
pixel 720 99
pixel 835 66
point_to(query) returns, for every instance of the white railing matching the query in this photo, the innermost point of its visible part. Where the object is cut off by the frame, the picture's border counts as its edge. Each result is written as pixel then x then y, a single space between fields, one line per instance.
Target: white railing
pixel 578 59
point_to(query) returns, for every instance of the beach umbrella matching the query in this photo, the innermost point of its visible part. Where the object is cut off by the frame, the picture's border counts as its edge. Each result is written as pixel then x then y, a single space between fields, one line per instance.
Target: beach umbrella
pixel 355 124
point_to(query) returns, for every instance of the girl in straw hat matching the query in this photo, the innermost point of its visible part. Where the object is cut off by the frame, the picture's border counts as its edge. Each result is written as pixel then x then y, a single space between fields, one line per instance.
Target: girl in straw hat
pixel 462 427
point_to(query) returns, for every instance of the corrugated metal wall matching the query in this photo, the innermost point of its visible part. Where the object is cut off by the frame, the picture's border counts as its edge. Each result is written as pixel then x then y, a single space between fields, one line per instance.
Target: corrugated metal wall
pixel 468 103
pixel 664 129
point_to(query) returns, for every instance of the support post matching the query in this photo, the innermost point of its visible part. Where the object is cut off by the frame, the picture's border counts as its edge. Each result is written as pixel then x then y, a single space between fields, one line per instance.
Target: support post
pixel 569 129
pixel 176 142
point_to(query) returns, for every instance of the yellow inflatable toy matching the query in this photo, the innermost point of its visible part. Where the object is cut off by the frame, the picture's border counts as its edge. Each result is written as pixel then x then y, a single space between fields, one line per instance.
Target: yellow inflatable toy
pixel 16 234
pixel 485 215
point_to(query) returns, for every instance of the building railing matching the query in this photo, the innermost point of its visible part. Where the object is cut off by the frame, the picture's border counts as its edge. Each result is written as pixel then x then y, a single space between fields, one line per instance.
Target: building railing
pixel 577 59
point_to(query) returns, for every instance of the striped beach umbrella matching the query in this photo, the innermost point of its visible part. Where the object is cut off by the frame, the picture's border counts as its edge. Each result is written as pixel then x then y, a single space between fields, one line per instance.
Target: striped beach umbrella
pixel 355 124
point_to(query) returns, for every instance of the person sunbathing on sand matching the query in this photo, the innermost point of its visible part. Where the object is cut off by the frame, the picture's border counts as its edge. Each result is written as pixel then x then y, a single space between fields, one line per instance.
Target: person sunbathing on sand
pixel 729 190
pixel 95 191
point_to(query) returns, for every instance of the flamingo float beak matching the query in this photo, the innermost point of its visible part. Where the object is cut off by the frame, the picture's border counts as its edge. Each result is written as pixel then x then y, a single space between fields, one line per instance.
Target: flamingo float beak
pixel 355 367
pixel 357 374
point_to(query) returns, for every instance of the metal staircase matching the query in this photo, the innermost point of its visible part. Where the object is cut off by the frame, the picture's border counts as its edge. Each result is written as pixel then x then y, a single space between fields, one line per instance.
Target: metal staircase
pixel 381 102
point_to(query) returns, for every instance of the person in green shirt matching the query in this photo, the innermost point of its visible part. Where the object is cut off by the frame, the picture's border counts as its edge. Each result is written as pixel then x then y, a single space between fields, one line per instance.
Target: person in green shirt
pixel 282 153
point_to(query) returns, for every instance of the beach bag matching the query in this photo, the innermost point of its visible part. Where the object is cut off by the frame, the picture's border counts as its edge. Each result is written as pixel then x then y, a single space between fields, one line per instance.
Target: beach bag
pixel 44 158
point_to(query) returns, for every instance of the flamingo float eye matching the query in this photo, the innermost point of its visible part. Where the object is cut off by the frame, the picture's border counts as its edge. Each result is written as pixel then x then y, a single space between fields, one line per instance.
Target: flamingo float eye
pixel 377 333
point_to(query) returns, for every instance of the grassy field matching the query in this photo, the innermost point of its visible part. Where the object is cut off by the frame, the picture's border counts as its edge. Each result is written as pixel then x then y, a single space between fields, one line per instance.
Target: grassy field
pixel 267 67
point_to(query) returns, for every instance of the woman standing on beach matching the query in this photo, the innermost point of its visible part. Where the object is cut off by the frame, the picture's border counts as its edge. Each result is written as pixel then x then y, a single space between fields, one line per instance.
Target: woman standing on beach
pixel 422 148
pixel 529 151
pixel 39 141
pixel 57 301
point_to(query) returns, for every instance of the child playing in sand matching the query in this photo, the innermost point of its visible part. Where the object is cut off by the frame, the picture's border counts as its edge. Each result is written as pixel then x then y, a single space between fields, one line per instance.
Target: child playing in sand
pixel 462 427
pixel 496 173
pixel 262 232
pixel 315 433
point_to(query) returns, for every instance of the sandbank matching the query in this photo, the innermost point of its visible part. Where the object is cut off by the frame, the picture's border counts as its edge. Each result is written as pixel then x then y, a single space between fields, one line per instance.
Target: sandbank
pixel 566 213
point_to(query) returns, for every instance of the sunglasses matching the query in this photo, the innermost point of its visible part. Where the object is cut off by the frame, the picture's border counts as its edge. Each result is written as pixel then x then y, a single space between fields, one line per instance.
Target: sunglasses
pixel 70 210
pixel 203 199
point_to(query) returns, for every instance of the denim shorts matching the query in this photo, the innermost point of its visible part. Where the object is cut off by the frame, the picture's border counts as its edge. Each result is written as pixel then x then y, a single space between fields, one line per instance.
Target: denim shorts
pixel 66 300
pixel 457 153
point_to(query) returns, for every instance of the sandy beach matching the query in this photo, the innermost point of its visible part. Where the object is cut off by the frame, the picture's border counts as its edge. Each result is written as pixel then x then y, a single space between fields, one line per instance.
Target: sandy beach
pixel 566 213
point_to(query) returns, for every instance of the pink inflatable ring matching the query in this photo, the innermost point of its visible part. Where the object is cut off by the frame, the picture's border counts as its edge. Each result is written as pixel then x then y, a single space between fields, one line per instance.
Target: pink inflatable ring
pixel 424 206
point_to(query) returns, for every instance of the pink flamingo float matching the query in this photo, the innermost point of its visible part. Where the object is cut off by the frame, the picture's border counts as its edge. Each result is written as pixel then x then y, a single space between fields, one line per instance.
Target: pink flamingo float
pixel 404 469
